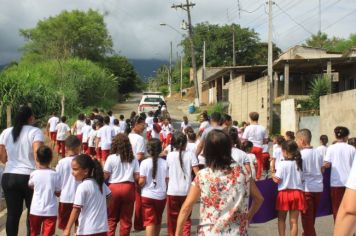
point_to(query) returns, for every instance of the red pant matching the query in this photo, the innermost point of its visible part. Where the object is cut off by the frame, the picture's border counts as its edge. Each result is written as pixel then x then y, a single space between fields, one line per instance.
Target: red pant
pixel 308 217
pixel 48 224
pixel 105 154
pixel 174 204
pixel 85 147
pixel 61 148
pixel 258 153
pixel 165 140
pixel 121 207
pixel 98 153
pixel 152 210
pixel 64 210
pixel 98 234
pixel 265 160
pixel 53 136
pixel 337 194
pixel 138 220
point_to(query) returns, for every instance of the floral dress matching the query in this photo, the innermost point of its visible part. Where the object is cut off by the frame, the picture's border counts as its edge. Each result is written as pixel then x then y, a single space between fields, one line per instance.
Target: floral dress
pixel 224 201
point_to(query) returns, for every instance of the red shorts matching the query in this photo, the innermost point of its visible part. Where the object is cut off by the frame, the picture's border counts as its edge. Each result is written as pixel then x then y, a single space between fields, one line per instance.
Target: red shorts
pixel 105 154
pixel 91 151
pixel 98 153
pixel 290 199
pixel 53 135
pixel 85 147
pixel 47 223
pixel 152 210
pixel 64 210
pixel 80 137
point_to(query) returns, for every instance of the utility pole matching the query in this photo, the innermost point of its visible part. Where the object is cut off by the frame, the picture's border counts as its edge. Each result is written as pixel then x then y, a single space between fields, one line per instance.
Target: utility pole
pixel 187 7
pixel 204 60
pixel 269 64
pixel 170 72
pixel 319 16
pixel 181 77
pixel 233 46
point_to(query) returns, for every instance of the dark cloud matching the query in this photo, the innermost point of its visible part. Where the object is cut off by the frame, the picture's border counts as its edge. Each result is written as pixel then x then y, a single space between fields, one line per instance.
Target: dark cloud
pixel 135 24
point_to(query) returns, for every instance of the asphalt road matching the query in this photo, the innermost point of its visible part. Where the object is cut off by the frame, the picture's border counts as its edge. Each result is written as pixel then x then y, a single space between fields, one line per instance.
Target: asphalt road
pixel 324 225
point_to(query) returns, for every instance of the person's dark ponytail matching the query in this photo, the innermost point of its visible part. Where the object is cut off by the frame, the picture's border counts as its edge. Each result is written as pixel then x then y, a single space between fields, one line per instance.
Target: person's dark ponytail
pixel 291 148
pixel 154 148
pixel 21 119
pixel 95 169
pixel 179 141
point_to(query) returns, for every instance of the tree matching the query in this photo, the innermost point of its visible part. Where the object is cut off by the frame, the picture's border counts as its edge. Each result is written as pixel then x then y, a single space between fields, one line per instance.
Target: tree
pixel 322 40
pixel 219 46
pixel 69 34
pixel 127 77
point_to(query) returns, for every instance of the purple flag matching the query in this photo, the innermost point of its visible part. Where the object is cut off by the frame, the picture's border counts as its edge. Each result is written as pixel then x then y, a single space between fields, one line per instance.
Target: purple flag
pixel 269 191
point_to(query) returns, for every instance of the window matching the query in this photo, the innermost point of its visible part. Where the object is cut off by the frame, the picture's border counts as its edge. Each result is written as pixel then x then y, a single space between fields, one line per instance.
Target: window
pixel 153 99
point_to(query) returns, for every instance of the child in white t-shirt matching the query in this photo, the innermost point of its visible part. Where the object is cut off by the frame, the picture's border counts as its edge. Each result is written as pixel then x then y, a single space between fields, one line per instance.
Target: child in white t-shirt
pixel 51 129
pixel 104 137
pixel 247 147
pixel 122 170
pixel 90 202
pixel 290 196
pixel 277 155
pixel 63 131
pixel 46 185
pixel 116 127
pixel 339 158
pixel 313 179
pixel 192 137
pixel 185 124
pixel 324 145
pixel 68 183
pixel 153 174
pixel 180 164
pixel 86 131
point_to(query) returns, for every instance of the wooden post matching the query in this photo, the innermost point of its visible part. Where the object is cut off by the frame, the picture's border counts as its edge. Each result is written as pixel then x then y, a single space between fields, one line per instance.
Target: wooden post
pixel 328 72
pixel 275 84
pixel 8 116
pixel 286 79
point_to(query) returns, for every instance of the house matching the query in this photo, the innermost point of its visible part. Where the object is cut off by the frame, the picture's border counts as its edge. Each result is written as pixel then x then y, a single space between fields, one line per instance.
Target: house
pixel 247 88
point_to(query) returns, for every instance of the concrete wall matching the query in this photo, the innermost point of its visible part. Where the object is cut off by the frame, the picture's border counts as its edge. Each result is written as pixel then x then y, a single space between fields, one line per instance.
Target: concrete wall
pixel 289 117
pixel 338 109
pixel 313 124
pixel 246 97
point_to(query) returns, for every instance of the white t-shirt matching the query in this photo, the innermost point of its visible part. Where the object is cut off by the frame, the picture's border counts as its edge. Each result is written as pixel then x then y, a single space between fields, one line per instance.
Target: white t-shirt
pixel 239 156
pixel 20 156
pixel 253 162
pixel 86 131
pixel 278 156
pixel 105 133
pixel 312 163
pixel 183 126
pixel 117 129
pixel 351 181
pixel 149 190
pixel 204 125
pixel 149 122
pixel 92 136
pixel 137 143
pixel 62 129
pixel 53 121
pixel 201 158
pixel 45 183
pixel 122 125
pixel 121 171
pixel 180 177
pixel 265 148
pixel 256 134
pixel 322 150
pixel 93 217
pixel 112 118
pixel 68 183
pixel 166 129
pixel 291 177
pixel 192 147
pixel 341 156
pixel 79 124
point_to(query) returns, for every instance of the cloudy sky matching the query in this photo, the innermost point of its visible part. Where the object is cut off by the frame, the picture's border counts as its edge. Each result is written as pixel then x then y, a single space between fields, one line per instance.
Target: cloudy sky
pixel 135 24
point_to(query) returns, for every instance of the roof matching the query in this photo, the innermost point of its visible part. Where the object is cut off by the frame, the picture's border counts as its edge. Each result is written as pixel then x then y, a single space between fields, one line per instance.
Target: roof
pixel 212 73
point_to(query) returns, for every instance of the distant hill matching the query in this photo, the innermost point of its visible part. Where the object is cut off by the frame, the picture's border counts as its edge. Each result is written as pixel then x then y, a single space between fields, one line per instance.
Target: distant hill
pixel 145 67
pixel 3 66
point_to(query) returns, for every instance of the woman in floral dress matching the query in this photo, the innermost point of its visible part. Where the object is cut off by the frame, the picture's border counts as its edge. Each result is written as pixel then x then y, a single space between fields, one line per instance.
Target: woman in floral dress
pixel 224 190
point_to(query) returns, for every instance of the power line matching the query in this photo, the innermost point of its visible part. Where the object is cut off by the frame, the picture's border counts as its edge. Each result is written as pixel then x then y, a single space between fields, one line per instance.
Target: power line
pixel 290 17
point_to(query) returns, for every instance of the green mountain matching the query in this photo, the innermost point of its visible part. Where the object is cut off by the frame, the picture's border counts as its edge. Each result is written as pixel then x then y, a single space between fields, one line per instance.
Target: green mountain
pixel 146 67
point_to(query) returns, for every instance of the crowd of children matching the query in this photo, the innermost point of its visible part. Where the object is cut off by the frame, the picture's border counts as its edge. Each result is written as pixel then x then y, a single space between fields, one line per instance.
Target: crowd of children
pixel 110 164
